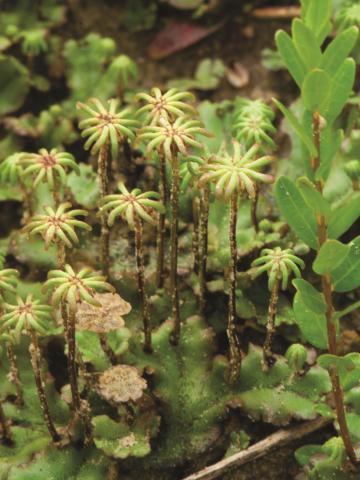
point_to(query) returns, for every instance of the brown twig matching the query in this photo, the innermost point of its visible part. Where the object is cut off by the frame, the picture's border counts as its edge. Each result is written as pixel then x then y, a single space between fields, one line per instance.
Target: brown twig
pixel 276 13
pixel 273 442
pixel 107 349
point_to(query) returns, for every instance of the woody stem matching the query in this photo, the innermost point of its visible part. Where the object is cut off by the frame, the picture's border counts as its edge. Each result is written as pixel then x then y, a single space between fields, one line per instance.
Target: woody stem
pixel 326 286
pixel 14 374
pixel 203 243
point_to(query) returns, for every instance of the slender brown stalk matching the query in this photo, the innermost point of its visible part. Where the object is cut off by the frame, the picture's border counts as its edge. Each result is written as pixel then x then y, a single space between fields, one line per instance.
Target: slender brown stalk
pixel 203 244
pixel 72 367
pixel 36 364
pixel 175 337
pixel 107 349
pixel 5 429
pixel 270 326
pixel 254 204
pixel 161 231
pixel 103 171
pixel 61 255
pixel 327 292
pixel 141 283
pixel 14 374
pixel 196 234
pixel 28 210
pixel 235 352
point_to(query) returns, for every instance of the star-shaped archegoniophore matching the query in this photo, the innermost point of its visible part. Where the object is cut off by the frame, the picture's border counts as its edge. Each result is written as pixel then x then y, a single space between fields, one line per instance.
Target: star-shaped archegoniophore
pixel 8 280
pixel 49 166
pixel 130 205
pixel 192 167
pixel 58 225
pixel 169 105
pixel 236 171
pixel 253 122
pixel 177 135
pixel 279 265
pixel 28 314
pixel 106 125
pixel 75 287
pixel 348 16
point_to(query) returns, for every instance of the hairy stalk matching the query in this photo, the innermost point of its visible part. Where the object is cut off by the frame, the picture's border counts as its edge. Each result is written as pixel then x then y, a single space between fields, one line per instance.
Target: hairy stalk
pixel 141 283
pixel 72 367
pixel 5 429
pixel 161 231
pixel 103 171
pixel 56 194
pixel 36 364
pixel 14 374
pixel 254 204
pixel 203 243
pixel 270 326
pixel 28 210
pixel 175 337
pixel 107 349
pixel 327 292
pixel 196 234
pixel 235 353
pixel 61 255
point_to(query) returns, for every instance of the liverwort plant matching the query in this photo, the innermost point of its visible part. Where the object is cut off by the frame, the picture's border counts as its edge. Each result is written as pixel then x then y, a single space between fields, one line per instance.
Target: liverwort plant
pixel 279 264
pixel 57 227
pixel 30 316
pixel 136 207
pixel 233 173
pixel 174 138
pixel 169 106
pixel 325 76
pixel 106 128
pixel 72 288
pixel 49 167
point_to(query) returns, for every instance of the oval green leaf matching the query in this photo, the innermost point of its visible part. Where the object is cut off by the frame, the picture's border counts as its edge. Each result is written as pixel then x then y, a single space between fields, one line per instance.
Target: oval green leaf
pixel 315 90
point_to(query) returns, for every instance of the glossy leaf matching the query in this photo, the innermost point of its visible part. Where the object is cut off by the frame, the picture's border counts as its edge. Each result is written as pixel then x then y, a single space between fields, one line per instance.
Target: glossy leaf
pixel 318 15
pixel 290 56
pixel 311 297
pixel 296 211
pixel 306 44
pixel 330 255
pixel 313 197
pixel 344 215
pixel 337 51
pixel 341 86
pixel 300 130
pixel 311 324
pixel 315 90
pixel 346 276
pixel 330 144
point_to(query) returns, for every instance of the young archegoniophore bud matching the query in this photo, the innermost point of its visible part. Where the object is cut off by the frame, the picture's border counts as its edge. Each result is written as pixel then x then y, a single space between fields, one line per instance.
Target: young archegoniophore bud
pixel 58 225
pixel 106 125
pixel 169 105
pixel 253 122
pixel 296 356
pixel 122 69
pixel 236 171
